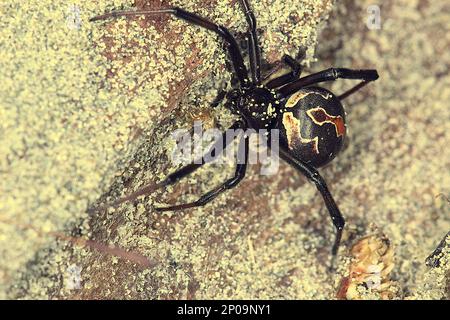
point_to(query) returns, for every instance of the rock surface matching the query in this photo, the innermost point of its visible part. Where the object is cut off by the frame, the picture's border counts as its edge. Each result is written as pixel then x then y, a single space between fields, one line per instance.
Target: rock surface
pixel 77 133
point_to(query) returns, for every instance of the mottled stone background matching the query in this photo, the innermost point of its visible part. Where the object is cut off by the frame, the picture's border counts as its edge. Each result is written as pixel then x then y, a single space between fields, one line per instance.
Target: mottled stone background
pixel 87 110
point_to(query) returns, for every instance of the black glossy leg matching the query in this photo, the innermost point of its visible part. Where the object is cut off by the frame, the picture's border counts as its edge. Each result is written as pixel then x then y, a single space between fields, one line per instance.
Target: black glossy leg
pixel 312 174
pixel 296 70
pixel 353 90
pixel 233 48
pixel 254 49
pixel 241 167
pixel 174 177
pixel 219 98
pixel 220 145
pixel 329 75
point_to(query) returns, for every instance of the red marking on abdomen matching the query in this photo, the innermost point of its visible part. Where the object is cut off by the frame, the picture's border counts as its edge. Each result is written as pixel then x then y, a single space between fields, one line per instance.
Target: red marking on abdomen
pixel 320 117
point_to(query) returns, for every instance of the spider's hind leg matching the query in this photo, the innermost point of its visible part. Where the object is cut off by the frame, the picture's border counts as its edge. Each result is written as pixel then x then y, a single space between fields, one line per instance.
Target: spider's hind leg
pixel 174 177
pixel 239 174
pixel 313 175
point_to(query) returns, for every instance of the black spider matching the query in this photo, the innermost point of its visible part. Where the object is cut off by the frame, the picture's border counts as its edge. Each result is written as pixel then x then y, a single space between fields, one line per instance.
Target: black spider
pixel 310 119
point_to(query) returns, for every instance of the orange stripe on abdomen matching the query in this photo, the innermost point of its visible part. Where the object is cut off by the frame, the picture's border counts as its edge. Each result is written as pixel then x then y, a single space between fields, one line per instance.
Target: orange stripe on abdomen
pixel 320 116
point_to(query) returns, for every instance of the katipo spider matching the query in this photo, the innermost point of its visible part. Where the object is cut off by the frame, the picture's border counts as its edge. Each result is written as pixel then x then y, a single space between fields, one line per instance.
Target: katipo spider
pixel 310 119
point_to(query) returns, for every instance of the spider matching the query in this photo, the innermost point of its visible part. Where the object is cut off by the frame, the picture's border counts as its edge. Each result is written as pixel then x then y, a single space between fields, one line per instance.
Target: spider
pixel 310 119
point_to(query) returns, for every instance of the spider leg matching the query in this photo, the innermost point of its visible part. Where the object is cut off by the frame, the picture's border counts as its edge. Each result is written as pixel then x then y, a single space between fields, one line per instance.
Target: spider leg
pixel 174 177
pixel 254 48
pixel 220 144
pixel 353 90
pixel 228 184
pixel 329 75
pixel 233 48
pixel 296 70
pixel 313 175
pixel 218 99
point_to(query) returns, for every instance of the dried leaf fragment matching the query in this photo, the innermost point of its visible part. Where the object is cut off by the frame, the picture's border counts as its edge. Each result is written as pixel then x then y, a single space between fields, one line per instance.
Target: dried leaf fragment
pixel 369 273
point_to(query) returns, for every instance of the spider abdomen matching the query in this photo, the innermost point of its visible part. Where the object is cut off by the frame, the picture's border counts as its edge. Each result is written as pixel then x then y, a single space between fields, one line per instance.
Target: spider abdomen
pixel 312 125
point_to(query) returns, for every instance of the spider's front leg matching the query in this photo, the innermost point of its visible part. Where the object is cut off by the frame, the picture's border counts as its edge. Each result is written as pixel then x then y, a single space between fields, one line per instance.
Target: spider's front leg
pixel 253 45
pixel 234 51
pixel 294 74
pixel 241 167
pixel 366 75
pixel 313 175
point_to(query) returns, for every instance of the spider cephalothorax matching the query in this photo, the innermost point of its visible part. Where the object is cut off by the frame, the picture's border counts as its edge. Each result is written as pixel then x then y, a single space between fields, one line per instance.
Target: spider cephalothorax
pixel 258 106
pixel 310 119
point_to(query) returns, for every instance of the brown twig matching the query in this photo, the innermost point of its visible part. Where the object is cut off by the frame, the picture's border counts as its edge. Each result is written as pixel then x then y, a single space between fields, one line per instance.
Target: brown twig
pixel 116 251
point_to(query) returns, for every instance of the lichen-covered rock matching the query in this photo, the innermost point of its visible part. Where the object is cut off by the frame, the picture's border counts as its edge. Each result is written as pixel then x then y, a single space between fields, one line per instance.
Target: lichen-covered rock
pixel 87 111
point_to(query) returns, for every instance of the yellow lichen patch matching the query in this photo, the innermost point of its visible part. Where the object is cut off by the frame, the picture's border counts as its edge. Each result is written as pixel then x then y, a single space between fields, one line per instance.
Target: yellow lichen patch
pixel 369 273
